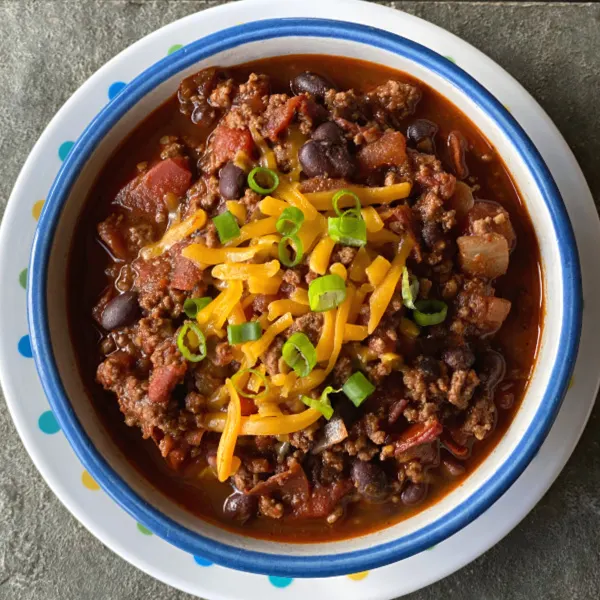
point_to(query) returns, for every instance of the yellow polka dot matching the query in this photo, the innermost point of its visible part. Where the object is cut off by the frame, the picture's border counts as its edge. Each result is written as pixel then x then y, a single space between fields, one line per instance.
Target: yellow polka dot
pixel 571 382
pixel 37 209
pixel 507 108
pixel 88 482
pixel 358 576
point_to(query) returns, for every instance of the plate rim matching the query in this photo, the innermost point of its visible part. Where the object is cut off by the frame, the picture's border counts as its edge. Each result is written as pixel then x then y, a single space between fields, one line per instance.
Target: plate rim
pixel 571 179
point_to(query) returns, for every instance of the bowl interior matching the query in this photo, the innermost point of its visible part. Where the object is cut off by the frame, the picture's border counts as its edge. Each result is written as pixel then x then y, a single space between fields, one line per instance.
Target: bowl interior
pixel 81 169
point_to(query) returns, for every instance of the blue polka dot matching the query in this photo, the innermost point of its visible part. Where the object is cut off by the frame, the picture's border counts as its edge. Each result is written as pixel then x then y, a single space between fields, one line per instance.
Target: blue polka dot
pixel 48 423
pixel 203 562
pixel 64 149
pixel 115 88
pixel 24 347
pixel 280 582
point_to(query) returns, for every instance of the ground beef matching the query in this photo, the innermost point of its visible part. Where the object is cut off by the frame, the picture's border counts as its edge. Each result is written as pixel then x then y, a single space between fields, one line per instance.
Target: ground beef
pixel 309 324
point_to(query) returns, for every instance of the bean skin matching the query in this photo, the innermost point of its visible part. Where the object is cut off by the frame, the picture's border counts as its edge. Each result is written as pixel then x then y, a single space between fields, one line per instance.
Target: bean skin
pixel 459 358
pixel 422 133
pixel 311 83
pixel 319 158
pixel 232 182
pixel 413 493
pixel 370 481
pixel 240 507
pixel 329 132
pixel 121 311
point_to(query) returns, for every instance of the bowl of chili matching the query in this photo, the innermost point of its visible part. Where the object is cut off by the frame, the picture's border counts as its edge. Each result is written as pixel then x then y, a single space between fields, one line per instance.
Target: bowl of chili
pixel 361 153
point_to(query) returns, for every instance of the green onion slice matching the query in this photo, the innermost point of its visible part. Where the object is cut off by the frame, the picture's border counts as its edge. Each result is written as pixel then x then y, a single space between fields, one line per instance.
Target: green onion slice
pixel 245 393
pixel 348 230
pixel 341 194
pixel 263 173
pixel 322 404
pixel 285 256
pixel 358 388
pixel 227 226
pixel 327 292
pixel 410 289
pixel 192 306
pixel 290 221
pixel 299 354
pixel 182 342
pixel 244 332
pixel 430 312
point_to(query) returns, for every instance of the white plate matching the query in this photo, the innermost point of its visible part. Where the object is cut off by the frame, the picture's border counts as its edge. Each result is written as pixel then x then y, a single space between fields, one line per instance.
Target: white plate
pixel 50 450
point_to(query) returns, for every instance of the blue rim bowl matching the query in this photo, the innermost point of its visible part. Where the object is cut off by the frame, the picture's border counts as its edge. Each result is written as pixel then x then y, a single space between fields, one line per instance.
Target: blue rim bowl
pixel 322 565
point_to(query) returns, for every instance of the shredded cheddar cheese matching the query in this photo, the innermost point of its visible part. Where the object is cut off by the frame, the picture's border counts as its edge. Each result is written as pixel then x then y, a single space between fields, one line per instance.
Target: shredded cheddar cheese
pixel 252 350
pixel 367 195
pixel 377 270
pixel 357 271
pixel 341 319
pixel 319 258
pixel 213 316
pixel 280 307
pixel 372 219
pixel 339 269
pixel 267 156
pixel 237 209
pixel 236 271
pixel 268 287
pixel 174 234
pixel 325 345
pixel 355 333
pixel 259 425
pixel 381 296
pixel 231 430
pixel 271 206
pixel 204 256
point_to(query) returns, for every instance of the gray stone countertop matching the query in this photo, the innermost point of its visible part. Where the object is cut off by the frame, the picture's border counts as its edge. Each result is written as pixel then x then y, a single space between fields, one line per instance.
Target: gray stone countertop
pixel 49 48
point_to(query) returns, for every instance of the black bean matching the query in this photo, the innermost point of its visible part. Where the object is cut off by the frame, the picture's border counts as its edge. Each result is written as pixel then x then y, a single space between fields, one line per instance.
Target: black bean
pixel 370 481
pixel 232 182
pixel 491 368
pixel 422 133
pixel 311 83
pixel 452 467
pixel 240 507
pixel 431 233
pixel 329 132
pixel 203 114
pixel 121 311
pixel 459 358
pixel 413 493
pixel 429 367
pixel 325 159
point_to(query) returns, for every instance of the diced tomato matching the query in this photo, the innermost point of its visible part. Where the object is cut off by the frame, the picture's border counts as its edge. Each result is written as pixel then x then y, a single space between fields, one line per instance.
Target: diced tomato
pixel 163 381
pixel 248 406
pixel 146 193
pixel 186 275
pixel 281 117
pixel 388 151
pixel 419 433
pixel 227 142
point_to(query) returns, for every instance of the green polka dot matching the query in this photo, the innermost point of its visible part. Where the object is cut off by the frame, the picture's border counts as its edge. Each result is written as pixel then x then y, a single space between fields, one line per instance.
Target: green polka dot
pixel 174 48
pixel 451 59
pixel 143 529
pixel 23 278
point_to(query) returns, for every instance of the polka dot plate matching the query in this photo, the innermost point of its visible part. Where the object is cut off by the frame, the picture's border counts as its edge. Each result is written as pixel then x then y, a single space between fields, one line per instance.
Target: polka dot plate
pixel 40 430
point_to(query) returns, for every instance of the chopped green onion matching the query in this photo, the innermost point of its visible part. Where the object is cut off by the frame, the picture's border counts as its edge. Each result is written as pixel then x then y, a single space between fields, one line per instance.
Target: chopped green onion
pixel 410 289
pixel 430 312
pixel 285 256
pixel 348 230
pixel 192 306
pixel 290 221
pixel 264 173
pixel 299 354
pixel 358 388
pixel 244 332
pixel 227 227
pixel 182 342
pixel 339 195
pixel 245 393
pixel 322 404
pixel 327 292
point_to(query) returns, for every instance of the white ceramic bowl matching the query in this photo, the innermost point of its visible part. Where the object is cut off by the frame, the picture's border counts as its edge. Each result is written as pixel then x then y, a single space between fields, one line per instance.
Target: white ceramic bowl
pixel 54 354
